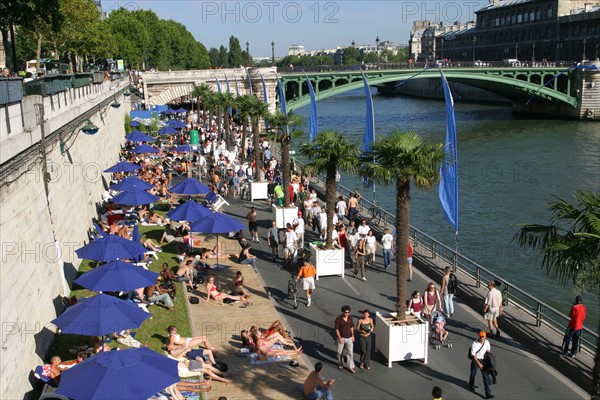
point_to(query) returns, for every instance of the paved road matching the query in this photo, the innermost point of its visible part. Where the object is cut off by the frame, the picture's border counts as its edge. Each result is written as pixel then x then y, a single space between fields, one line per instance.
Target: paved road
pixel 521 375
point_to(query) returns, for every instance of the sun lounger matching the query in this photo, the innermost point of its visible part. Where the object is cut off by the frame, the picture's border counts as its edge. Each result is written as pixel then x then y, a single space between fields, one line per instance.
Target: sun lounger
pixel 215 201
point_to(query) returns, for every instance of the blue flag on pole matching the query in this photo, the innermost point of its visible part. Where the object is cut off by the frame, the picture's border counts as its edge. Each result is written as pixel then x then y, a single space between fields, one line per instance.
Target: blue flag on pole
pixel 314 122
pixel 448 190
pixel 281 97
pixel 229 110
pixel 265 94
pixel 237 89
pixel 369 134
pixel 218 84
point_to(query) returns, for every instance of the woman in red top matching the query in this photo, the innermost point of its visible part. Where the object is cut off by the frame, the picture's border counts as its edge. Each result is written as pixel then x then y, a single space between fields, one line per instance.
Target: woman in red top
pixel 431 297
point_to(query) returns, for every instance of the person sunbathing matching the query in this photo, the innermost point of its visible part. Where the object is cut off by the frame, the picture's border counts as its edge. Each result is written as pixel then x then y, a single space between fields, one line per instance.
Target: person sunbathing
pixel 192 354
pixel 276 327
pixel 213 293
pixel 99 346
pixel 266 346
pixel 199 365
pixel 175 339
pixel 149 244
pixel 215 253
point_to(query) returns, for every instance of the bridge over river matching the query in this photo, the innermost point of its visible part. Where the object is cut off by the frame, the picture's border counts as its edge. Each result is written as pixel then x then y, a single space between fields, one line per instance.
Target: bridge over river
pixel 558 90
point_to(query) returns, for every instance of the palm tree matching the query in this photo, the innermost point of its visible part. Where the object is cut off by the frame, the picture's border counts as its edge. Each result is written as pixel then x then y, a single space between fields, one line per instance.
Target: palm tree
pixel 227 101
pixel 401 158
pixel 244 103
pixel 570 246
pixel 329 152
pixel 258 109
pixel 200 92
pixel 279 124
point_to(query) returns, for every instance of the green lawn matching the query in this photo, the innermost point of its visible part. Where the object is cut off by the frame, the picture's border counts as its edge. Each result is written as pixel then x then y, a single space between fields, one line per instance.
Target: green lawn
pixel 153 330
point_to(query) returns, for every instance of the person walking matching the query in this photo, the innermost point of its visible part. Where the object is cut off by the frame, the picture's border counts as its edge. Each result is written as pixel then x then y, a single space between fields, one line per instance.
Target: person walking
pixel 436 393
pixel 431 300
pixel 448 290
pixel 273 240
pixel 387 242
pixel 409 260
pixel 290 245
pixel 307 272
pixel 359 259
pixel 315 387
pixel 252 224
pixel 573 333
pixel 493 308
pixel 365 326
pixel 344 332
pixel 479 348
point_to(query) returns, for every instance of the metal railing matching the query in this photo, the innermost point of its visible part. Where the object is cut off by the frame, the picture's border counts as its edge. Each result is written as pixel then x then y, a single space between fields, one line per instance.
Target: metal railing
pixel 542 313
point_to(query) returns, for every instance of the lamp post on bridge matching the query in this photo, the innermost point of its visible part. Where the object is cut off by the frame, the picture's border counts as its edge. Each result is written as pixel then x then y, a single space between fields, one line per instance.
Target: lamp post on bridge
pixel 272 53
pixel 533 55
pixel 247 54
pixel 442 55
pixel 516 51
pixel 584 56
pixel 474 43
pixel 377 44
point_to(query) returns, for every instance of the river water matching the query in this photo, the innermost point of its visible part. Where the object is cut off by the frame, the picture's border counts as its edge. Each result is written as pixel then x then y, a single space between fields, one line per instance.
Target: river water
pixel 509 169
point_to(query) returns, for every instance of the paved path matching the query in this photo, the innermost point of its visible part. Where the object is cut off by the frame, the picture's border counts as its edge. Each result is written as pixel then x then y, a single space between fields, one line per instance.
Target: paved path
pixel 521 374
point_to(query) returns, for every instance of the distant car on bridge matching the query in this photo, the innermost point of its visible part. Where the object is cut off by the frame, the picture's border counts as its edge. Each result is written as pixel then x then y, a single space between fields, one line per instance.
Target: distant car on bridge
pixel 480 63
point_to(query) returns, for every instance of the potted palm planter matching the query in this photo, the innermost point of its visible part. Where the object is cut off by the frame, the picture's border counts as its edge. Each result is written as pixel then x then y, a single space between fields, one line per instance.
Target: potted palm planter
pixel 399 159
pixel 329 152
pixel 284 215
pixel 401 340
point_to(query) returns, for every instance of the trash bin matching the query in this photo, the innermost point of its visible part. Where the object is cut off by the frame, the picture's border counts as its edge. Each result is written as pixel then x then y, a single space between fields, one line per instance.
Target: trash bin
pixel 194 138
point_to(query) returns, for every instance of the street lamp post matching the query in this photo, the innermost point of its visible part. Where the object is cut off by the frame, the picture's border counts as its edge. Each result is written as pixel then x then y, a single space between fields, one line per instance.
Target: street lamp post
pixel 247 54
pixel 377 44
pixel 533 55
pixel 516 51
pixel 584 56
pixel 442 55
pixel 272 53
pixel 474 43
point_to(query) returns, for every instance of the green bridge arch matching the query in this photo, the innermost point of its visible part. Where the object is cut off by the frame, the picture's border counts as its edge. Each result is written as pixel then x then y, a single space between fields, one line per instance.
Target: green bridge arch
pixel 516 84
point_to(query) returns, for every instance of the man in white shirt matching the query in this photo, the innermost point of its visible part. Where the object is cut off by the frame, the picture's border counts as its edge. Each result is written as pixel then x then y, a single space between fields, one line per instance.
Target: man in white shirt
pixel 341 208
pixel 298 224
pixel 493 307
pixel 387 242
pixel 352 241
pixel 363 228
pixel 291 243
pixel 478 350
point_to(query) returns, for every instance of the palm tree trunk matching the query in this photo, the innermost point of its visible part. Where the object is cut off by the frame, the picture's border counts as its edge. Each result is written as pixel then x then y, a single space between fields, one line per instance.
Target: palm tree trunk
pixel 227 129
pixel 256 145
pixel 285 160
pixel 244 135
pixel 330 193
pixel 596 370
pixel 38 53
pixel 402 225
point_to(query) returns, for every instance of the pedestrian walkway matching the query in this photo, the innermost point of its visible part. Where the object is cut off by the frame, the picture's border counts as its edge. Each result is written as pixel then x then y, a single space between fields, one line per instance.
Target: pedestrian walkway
pixel 522 374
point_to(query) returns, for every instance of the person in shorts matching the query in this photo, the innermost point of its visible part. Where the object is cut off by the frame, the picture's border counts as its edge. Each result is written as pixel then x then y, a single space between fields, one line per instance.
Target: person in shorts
pixel 307 272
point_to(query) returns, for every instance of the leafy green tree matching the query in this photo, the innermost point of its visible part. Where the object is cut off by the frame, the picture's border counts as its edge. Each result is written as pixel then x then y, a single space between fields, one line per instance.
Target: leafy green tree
pixel 570 245
pixel 236 56
pixel 329 152
pixel 215 57
pixel 352 56
pixel 401 158
pixel 223 57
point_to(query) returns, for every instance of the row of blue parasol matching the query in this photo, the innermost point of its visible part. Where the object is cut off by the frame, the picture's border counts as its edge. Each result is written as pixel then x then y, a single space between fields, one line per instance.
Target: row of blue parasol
pixel 131 373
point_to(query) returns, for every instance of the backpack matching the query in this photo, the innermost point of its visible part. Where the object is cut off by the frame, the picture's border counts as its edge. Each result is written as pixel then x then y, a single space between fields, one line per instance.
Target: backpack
pixel 452 284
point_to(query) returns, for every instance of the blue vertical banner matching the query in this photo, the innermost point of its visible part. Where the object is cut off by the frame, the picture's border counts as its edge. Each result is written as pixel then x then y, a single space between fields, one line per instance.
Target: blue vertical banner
pixel 281 97
pixel 218 84
pixel 314 121
pixel 369 134
pixel 237 89
pixel 229 110
pixel 448 190
pixel 265 94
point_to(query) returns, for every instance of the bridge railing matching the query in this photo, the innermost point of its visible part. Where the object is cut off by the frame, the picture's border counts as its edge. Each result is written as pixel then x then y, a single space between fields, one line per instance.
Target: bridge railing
pixel 421 65
pixel 540 312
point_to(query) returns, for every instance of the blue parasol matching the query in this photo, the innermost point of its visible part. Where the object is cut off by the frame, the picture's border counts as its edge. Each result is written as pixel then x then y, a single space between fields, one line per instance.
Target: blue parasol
pixel 123 166
pixel 189 211
pixel 144 148
pixel 131 184
pixel 134 198
pixel 137 136
pixel 131 374
pixel 168 130
pixel 117 276
pixel 110 247
pixel 100 315
pixel 190 186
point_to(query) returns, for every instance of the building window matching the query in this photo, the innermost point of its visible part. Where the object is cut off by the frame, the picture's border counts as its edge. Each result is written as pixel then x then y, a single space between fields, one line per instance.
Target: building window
pixel 519 18
pixel 497 21
pixel 550 12
pixel 532 16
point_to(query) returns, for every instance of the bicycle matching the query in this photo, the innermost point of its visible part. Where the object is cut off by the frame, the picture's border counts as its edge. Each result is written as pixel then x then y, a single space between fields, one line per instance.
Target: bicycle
pixel 293 291
pixel 374 215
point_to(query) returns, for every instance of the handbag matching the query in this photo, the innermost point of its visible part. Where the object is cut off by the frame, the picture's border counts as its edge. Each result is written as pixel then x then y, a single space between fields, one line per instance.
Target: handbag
pixel 221 366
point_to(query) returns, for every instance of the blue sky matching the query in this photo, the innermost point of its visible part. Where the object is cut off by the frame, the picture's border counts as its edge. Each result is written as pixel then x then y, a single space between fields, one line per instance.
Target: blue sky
pixel 313 24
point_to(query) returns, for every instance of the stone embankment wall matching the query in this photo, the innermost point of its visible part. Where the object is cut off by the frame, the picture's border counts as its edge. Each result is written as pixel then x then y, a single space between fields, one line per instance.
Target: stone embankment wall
pixel 38 236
